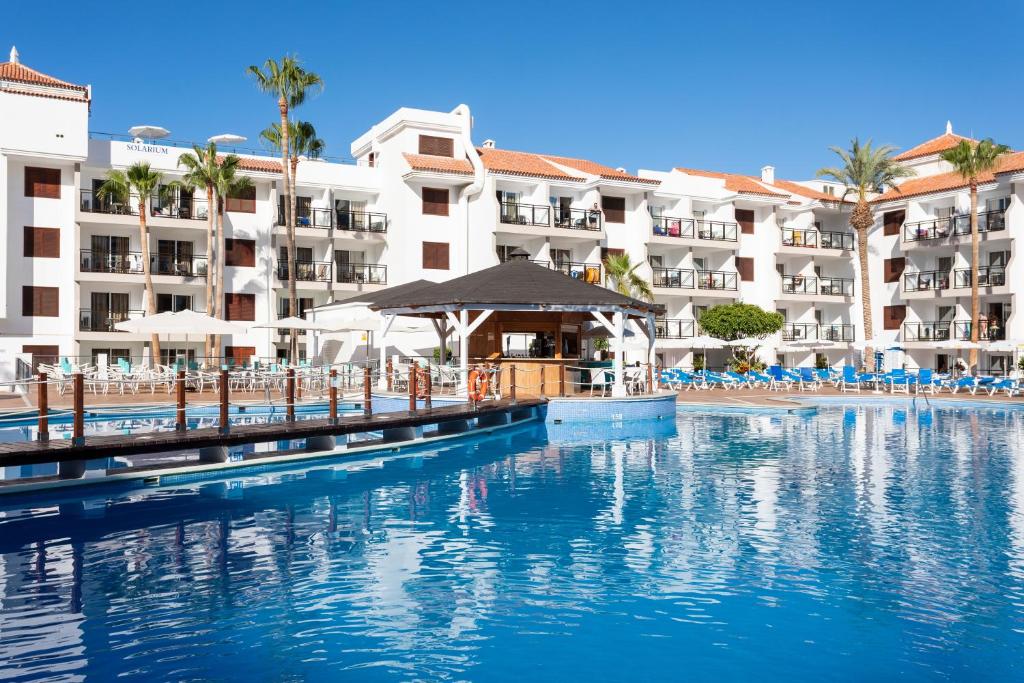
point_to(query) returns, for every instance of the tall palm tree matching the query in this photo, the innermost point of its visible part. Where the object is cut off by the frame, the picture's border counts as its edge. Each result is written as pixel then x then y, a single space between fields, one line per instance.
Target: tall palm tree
pixel 138 182
pixel 972 160
pixel 865 170
pixel 302 142
pixel 291 84
pixel 620 275
pixel 228 183
pixel 202 170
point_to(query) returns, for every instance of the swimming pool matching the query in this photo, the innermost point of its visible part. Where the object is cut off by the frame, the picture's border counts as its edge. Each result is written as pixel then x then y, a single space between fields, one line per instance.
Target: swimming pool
pixel 848 544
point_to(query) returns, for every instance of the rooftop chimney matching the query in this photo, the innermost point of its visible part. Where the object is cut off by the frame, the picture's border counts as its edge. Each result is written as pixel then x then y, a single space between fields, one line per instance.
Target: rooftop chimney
pixel 620 169
pixel 14 55
pixel 949 127
pixel 488 144
pixel 768 174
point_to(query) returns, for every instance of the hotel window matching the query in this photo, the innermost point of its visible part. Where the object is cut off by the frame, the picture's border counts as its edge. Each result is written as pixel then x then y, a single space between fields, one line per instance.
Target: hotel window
pixel 240 253
pixel 284 306
pixel 829 190
pixel 435 201
pixel 174 258
pixel 997 204
pixel 435 255
pixel 437 146
pixel 113 355
pixel 173 302
pixel 40 302
pixel 42 182
pixel 560 256
pixel 41 242
pixel 242 201
pixel 745 217
pixel 505 252
pixel 614 209
pixel 892 221
pixel 656 260
pixel 105 309
pixel 240 307
pixel 173 356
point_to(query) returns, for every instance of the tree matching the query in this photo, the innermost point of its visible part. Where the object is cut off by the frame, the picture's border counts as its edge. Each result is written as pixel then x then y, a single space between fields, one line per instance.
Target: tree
pixel 202 170
pixel 972 160
pixel 228 184
pixel 620 274
pixel 739 321
pixel 865 170
pixel 291 84
pixel 138 182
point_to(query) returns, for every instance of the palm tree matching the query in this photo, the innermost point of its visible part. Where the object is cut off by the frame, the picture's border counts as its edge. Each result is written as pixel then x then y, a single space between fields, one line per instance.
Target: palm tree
pixel 138 182
pixel 865 170
pixel 291 84
pixel 228 183
pixel 202 170
pixel 972 160
pixel 620 274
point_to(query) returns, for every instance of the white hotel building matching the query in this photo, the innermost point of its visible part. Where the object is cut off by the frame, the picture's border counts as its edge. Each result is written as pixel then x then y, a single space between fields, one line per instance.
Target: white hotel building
pixel 424 200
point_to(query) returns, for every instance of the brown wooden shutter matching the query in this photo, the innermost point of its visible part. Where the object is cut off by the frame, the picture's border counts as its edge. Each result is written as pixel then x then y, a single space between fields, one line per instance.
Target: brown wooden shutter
pixel 42 353
pixel 614 209
pixel 892 221
pixel 42 182
pixel 893 316
pixel 745 217
pixel 437 146
pixel 240 253
pixel 42 242
pixel 892 268
pixel 40 302
pixel 240 306
pixel 435 255
pixel 435 201
pixel 243 201
pixel 239 355
pixel 610 251
pixel 745 267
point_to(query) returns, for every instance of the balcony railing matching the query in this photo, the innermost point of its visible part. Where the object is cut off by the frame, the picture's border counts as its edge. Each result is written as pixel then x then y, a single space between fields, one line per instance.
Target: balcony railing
pixel 835 286
pixel 988 276
pixel 722 231
pixel 178 207
pixel 576 219
pixel 989 329
pixel 307 217
pixel 361 273
pixel 799 331
pixel 130 263
pixel 835 240
pixel 925 280
pixel 588 272
pixel 799 284
pixel 836 333
pixel 937 330
pixel 525 214
pixel 717 279
pixel 799 238
pixel 104 321
pixel 674 328
pixel 672 278
pixel 306 271
pixel 360 221
pixel 669 226
pixel 939 228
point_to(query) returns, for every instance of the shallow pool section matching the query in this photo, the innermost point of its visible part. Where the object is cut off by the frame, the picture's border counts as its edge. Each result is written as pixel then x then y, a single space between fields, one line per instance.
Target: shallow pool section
pixel 845 544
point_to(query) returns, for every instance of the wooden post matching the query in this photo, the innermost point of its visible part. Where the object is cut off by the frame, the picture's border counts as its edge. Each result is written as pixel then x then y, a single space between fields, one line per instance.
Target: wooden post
pixel 44 408
pixel 289 387
pixel 367 396
pixel 561 380
pixel 78 409
pixel 332 394
pixel 225 421
pixel 413 370
pixel 179 423
pixel 428 388
pixel 543 372
pixel 390 369
pixel 650 378
pixel 512 382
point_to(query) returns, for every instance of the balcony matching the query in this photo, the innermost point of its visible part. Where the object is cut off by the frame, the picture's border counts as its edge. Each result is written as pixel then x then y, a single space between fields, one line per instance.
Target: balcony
pixel 361 273
pixel 927 331
pixel 307 217
pixel 130 263
pixel 577 219
pixel 836 240
pixel 989 329
pixel 525 214
pixel 799 284
pixel 835 286
pixel 836 333
pixel 926 280
pixel 588 272
pixel 799 331
pixel 691 228
pixel 674 328
pixel 188 208
pixel 988 276
pixel 360 221
pixel 672 278
pixel 306 271
pixel 104 321
pixel 717 280
pixel 800 238
pixel 940 228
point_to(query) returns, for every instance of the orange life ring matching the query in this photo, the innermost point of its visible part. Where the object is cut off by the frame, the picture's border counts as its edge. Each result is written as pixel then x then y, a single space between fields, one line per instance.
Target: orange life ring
pixel 479 383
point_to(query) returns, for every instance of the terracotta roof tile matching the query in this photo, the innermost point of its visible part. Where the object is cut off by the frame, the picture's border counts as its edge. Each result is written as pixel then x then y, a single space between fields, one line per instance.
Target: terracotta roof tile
pixel 804 191
pixel 933 146
pixel 944 182
pixel 15 71
pixel 522 163
pixel 256 164
pixel 436 164
pixel 734 182
pixel 600 170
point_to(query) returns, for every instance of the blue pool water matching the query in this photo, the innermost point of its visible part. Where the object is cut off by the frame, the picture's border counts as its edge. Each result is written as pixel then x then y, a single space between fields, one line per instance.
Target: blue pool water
pixel 851 544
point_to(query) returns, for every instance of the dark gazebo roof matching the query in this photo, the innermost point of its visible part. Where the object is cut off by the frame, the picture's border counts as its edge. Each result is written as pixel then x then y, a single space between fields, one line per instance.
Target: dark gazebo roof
pixel 513 285
pixel 381 295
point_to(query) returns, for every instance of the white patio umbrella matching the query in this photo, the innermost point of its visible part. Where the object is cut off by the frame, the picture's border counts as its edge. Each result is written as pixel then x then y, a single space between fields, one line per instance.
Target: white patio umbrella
pixel 148 132
pixel 705 341
pixel 744 341
pixel 226 139
pixel 957 344
pixel 1005 346
pixel 873 343
pixel 181 322
pixel 293 323
pixel 371 325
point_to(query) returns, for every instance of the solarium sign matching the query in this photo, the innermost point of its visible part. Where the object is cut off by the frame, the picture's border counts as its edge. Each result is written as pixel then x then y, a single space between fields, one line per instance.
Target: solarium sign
pixel 147 149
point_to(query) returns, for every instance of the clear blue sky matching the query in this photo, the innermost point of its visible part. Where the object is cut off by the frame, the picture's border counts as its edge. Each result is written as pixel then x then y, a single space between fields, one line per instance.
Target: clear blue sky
pixel 720 85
